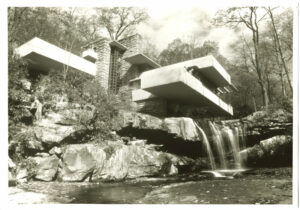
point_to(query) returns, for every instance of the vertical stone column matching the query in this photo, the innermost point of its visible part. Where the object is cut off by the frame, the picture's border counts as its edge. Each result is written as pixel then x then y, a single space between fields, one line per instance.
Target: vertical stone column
pixel 127 70
pixel 103 62
pixel 156 107
pixel 133 44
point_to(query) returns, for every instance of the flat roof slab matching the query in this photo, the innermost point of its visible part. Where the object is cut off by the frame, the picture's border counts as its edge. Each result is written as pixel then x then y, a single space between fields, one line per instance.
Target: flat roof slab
pixel 118 45
pixel 207 66
pixel 141 95
pixel 141 59
pixel 43 56
pixel 180 86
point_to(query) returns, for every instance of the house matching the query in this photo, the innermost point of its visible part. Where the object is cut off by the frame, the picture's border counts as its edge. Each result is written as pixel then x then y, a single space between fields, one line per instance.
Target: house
pixel 121 66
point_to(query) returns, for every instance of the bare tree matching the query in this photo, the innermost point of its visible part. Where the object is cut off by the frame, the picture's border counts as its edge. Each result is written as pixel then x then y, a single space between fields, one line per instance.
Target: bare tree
pixel 278 47
pixel 248 17
pixel 119 20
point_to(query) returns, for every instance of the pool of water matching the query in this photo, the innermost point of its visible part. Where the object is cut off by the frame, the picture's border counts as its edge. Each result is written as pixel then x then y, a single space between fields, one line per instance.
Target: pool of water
pixel 261 186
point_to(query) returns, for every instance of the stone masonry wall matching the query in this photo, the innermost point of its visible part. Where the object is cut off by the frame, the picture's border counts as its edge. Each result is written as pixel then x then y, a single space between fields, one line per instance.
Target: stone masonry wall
pixel 103 62
pixel 127 70
pixel 156 107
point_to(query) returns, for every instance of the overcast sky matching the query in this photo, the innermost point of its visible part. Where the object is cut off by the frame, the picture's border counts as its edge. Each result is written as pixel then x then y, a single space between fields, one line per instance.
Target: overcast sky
pixel 168 23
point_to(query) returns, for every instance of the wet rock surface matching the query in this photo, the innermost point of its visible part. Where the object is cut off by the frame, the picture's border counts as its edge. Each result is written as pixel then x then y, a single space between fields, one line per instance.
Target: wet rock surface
pixel 137 124
pixel 264 124
pixel 259 186
pixel 47 168
pixel 77 163
pixel 270 152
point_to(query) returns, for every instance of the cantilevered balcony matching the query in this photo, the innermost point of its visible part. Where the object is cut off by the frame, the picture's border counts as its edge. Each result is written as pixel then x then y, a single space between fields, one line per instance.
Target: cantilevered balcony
pixel 176 83
pixel 43 56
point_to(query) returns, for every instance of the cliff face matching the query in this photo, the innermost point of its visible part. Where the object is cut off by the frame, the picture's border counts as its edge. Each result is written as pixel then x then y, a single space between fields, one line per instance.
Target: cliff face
pixel 58 146
pixel 269 138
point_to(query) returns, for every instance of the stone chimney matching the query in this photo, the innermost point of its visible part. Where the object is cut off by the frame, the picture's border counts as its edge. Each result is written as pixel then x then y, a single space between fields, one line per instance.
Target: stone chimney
pixel 102 49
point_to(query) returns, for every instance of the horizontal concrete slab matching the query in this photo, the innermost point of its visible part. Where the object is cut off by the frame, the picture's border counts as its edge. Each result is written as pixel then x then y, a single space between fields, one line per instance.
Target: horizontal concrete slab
pixel 208 67
pixel 89 55
pixel 140 95
pixel 141 59
pixel 43 56
pixel 180 86
pixel 118 45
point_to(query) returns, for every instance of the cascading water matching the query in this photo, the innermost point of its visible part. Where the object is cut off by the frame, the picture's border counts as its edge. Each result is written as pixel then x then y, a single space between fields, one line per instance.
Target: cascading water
pixel 234 144
pixel 218 140
pixel 208 148
pixel 235 148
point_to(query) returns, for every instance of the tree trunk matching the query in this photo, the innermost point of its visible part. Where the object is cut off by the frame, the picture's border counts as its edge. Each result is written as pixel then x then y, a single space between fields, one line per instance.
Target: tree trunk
pixel 280 50
pixel 254 103
pixel 259 70
pixel 282 84
pixel 264 92
pixel 269 88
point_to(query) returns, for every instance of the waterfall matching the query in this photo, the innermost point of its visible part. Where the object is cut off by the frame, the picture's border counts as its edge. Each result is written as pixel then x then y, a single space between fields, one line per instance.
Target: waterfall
pixel 225 141
pixel 234 143
pixel 208 148
pixel 218 140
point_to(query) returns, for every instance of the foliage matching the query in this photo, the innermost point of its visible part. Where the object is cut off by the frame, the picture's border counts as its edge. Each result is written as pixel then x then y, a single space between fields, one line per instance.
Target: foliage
pixel 18 97
pixel 178 51
pixel 66 28
pixel 120 20
pixel 69 29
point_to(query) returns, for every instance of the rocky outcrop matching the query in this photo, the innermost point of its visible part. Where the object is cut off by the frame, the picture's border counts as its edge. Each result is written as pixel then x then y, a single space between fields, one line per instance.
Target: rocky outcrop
pixel 263 125
pixel 182 127
pixel 77 163
pixel 270 152
pixel 56 151
pixel 137 124
pixel 115 161
pixel 46 168
pixel 51 133
pixel 53 130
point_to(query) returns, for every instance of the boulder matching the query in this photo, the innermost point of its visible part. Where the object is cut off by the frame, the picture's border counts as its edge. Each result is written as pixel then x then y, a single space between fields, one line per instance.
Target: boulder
pixel 139 121
pixel 274 151
pixel 272 145
pixel 77 162
pixel 55 151
pixel 252 154
pixel 26 143
pixel 182 127
pixel 72 116
pixel 53 129
pixel 52 134
pixel 47 168
pixel 173 170
pixel 132 161
pixel 269 123
pixel 21 173
pixel 139 125
pixel 115 166
pixel 263 125
pixel 35 145
pixel 113 160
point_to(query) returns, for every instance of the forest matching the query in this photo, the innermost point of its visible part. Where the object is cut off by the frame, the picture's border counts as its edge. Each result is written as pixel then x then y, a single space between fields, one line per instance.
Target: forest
pixel 261 67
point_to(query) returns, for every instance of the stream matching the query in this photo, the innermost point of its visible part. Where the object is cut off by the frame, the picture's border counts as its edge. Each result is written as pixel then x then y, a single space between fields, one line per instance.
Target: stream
pixel 256 186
